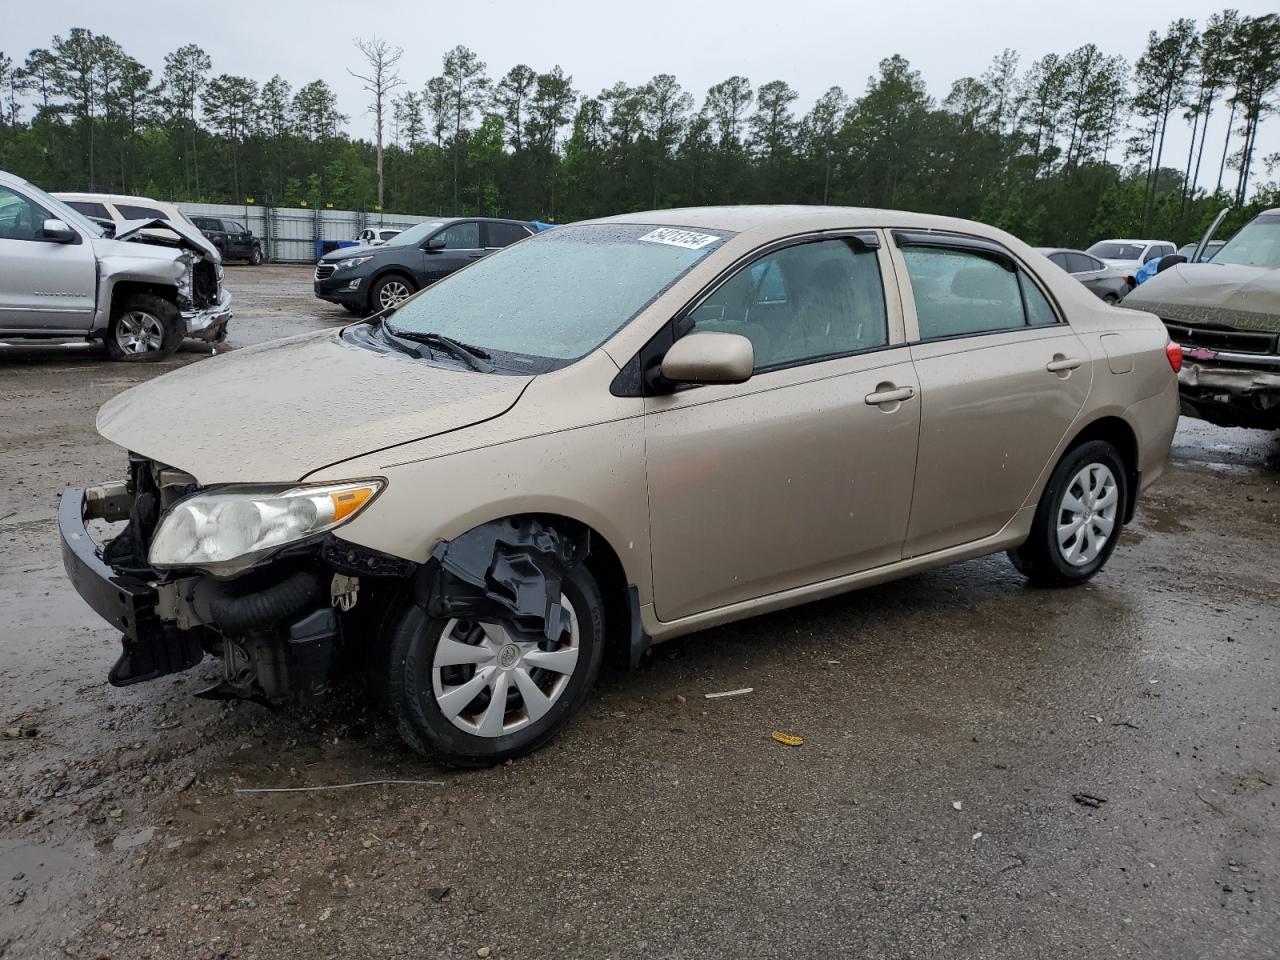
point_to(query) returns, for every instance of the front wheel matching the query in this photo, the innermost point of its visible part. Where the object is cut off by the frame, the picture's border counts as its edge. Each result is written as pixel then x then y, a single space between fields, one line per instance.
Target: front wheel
pixel 472 694
pixel 255 257
pixel 388 292
pixel 1079 517
pixel 143 328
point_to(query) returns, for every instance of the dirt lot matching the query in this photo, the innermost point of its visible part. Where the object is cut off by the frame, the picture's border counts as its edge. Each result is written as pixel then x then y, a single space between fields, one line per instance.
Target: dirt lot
pixel 949 721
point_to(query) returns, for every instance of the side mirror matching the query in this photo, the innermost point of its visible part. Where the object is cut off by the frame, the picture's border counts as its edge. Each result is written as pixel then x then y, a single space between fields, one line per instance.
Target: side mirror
pixel 435 244
pixel 1171 260
pixel 57 231
pixel 710 357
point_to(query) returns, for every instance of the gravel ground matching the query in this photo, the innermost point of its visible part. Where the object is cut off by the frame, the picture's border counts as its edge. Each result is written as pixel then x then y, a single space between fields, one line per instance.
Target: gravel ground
pixel 988 770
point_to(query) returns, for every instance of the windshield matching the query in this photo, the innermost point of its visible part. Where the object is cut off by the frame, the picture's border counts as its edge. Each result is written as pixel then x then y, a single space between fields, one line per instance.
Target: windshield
pixel 560 294
pixel 414 236
pixel 71 216
pixel 1110 250
pixel 1256 245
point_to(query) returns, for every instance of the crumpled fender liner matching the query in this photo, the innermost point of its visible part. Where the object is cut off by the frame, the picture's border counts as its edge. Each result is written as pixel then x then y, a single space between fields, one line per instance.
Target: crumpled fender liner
pixel 509 571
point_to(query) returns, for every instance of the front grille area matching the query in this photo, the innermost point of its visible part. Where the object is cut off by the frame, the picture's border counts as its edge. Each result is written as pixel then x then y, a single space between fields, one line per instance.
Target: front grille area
pixel 1244 341
pixel 324 271
pixel 204 284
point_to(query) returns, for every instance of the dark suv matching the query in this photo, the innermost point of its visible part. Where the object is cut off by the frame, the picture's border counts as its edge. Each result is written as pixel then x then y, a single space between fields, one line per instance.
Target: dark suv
pixel 367 279
pixel 233 239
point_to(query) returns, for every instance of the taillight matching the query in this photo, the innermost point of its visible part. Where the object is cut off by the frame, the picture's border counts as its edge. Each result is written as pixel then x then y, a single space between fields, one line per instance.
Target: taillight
pixel 1174 353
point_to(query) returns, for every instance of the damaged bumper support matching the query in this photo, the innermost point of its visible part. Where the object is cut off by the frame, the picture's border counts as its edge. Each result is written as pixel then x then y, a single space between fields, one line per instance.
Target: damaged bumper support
pixel 209 324
pixel 1231 389
pixel 276 631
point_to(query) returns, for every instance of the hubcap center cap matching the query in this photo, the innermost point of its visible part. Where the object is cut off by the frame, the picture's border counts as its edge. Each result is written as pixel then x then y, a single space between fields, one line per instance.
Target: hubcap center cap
pixel 508 656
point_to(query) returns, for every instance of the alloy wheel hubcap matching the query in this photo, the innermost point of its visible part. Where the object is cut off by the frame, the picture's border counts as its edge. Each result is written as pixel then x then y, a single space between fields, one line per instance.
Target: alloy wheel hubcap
pixel 392 293
pixel 139 332
pixel 491 683
pixel 1087 514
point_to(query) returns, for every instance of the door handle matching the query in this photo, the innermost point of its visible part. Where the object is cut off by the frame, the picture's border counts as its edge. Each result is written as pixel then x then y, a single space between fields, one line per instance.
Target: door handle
pixel 890 394
pixel 1060 363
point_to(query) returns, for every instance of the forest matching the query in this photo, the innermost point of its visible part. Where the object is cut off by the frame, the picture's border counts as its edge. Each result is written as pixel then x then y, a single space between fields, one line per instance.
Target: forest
pixel 1062 150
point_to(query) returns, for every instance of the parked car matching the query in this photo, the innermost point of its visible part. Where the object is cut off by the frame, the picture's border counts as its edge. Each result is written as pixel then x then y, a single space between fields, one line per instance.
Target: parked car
pixel 1108 283
pixel 1129 255
pixel 233 239
pixel 1226 314
pixel 609 435
pixel 1187 249
pixel 117 209
pixel 376 236
pixel 368 279
pixel 140 293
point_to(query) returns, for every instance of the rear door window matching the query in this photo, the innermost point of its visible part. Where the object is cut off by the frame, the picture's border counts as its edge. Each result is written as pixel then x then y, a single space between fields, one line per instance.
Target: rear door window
pixel 90 208
pixel 958 292
pixel 131 211
pixel 503 234
pixel 1080 263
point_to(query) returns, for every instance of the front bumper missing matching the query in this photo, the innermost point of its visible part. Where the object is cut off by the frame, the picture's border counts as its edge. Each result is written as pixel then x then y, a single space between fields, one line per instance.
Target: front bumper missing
pixel 209 324
pixel 152 647
pixel 1220 388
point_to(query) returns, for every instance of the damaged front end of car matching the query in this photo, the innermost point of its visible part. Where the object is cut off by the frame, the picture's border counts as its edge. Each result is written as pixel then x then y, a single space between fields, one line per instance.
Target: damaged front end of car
pixel 1230 372
pixel 248 574
pixel 208 571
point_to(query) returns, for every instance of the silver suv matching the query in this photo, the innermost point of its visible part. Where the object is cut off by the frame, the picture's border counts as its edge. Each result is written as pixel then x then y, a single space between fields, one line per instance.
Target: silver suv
pixel 141 293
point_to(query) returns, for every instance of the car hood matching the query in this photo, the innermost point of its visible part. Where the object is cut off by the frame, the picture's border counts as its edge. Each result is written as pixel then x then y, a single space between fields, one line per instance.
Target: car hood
pixel 1232 295
pixel 189 238
pixel 333 256
pixel 275 412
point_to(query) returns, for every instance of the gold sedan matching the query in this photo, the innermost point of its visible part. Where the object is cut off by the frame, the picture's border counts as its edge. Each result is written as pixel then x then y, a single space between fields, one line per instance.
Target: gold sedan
pixel 614 433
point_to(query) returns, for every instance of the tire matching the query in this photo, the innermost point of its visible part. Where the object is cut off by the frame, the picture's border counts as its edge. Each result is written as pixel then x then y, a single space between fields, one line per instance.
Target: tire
pixel 1093 469
pixel 415 682
pixel 381 293
pixel 143 328
pixel 255 256
pixel 1111 298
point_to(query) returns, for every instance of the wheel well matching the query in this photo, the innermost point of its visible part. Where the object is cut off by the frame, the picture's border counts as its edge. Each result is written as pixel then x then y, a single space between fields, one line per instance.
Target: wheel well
pixel 396 271
pixel 1121 436
pixel 128 288
pixel 605 566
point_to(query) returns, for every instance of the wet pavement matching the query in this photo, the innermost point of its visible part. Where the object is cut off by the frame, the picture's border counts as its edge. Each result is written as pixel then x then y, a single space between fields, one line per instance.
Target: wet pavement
pixel 988 770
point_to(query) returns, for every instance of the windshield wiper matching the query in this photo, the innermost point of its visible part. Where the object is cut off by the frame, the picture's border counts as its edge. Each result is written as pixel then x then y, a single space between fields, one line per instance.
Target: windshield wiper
pixel 473 357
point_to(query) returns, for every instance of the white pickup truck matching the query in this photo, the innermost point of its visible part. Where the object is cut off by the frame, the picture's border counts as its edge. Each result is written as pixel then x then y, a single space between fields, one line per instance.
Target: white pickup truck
pixel 141 293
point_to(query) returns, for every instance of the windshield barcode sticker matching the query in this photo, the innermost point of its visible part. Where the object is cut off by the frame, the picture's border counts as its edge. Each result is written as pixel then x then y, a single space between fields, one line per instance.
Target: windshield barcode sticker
pixel 679 238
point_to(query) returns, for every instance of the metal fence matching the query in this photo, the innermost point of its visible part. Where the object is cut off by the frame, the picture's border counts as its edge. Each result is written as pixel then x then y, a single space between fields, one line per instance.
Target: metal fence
pixel 289 234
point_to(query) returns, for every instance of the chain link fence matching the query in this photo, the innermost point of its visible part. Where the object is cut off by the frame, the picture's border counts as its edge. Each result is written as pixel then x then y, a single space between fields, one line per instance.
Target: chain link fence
pixel 290 234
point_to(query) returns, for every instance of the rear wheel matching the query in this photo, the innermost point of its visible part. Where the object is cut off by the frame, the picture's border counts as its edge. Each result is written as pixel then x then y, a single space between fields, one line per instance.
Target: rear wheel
pixel 471 694
pixel 143 328
pixel 1079 517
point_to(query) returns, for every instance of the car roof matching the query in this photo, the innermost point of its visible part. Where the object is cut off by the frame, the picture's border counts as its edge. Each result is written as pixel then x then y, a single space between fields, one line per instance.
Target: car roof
pixel 1048 250
pixel 784 220
pixel 1145 243
pixel 113 197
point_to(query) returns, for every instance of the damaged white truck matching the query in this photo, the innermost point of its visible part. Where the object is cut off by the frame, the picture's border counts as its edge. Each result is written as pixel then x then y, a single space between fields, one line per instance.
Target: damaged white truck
pixel 140 292
pixel 1225 313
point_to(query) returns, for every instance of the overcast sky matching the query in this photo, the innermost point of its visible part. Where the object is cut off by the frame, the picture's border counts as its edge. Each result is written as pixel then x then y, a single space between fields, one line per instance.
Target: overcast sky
pixel 811 44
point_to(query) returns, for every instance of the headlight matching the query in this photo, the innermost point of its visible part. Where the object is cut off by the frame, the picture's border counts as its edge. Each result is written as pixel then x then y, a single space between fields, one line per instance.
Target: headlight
pixel 350 262
pixel 228 530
